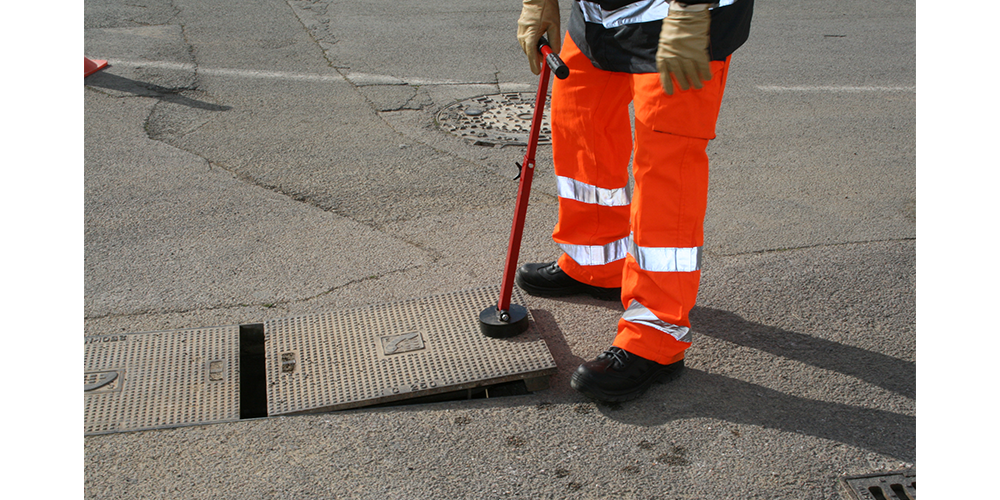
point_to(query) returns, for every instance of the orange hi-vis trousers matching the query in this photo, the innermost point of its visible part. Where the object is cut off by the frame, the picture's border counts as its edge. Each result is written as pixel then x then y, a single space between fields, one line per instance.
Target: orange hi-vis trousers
pixel 647 241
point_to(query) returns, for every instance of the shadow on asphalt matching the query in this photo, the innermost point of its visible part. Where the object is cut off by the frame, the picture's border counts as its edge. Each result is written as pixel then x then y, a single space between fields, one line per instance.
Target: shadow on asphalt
pixel 890 373
pixel 555 339
pixel 105 80
pixel 611 305
pixel 699 394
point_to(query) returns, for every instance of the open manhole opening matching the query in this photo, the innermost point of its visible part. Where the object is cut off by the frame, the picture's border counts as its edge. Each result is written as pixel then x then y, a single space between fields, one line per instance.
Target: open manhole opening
pixel 495 120
pixel 254 385
pixel 898 485
pixel 253 380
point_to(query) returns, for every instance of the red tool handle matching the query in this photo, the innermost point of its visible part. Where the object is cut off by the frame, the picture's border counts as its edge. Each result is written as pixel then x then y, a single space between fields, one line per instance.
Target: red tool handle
pixel 527 172
pixel 556 64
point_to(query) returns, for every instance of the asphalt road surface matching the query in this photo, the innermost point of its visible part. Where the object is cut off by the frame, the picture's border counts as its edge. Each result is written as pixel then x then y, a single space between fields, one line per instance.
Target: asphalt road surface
pixel 251 160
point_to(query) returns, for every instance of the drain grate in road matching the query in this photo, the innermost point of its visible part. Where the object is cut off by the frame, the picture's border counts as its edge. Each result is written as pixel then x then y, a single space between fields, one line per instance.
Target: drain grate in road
pixel 495 120
pixel 899 485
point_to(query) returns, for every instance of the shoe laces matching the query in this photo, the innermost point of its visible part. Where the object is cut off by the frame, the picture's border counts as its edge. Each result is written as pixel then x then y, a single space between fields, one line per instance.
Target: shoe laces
pixel 619 355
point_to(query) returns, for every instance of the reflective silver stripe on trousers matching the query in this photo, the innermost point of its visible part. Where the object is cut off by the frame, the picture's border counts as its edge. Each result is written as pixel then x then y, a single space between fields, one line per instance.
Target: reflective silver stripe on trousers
pixel 666 259
pixel 597 255
pixel 638 314
pixel 587 193
pixel 639 12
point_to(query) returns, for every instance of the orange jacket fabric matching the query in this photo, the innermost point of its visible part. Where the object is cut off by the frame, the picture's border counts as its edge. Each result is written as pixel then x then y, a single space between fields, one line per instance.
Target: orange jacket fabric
pixel 647 241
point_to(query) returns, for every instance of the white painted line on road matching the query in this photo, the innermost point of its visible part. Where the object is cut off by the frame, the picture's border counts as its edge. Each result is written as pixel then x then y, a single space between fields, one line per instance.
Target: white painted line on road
pixel 820 88
pixel 364 79
pixel 239 73
pixel 355 78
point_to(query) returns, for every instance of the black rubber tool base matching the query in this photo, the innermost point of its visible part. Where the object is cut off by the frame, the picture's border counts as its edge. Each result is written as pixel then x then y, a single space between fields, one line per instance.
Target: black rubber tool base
pixel 493 325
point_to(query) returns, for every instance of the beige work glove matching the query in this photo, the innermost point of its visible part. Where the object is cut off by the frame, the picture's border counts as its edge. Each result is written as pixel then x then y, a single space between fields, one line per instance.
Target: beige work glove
pixel 538 17
pixel 683 49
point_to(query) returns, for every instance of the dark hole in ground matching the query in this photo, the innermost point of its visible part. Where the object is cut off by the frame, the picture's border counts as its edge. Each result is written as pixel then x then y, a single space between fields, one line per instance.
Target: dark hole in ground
pixel 253 372
pixel 515 388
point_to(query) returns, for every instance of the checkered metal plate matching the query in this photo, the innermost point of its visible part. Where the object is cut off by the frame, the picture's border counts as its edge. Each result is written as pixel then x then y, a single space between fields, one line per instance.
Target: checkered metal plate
pixel 390 352
pixel 158 380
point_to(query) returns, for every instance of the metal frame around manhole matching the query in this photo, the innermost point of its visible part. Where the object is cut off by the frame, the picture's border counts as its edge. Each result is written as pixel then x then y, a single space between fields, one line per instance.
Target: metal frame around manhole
pixel 495 119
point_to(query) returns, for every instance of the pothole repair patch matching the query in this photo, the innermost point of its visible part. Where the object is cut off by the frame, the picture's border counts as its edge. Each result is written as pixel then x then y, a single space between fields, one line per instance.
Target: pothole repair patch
pixel 495 119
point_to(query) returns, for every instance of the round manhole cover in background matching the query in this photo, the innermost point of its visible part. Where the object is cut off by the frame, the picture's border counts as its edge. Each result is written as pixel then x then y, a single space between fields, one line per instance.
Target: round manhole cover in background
pixel 495 119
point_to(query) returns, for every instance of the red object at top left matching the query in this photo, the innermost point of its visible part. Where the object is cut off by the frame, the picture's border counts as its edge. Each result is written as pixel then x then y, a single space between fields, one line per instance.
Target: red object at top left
pixel 91 66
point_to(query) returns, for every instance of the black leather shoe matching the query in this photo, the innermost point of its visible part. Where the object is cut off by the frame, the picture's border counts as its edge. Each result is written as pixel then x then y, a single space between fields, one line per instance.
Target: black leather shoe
pixel 548 280
pixel 618 375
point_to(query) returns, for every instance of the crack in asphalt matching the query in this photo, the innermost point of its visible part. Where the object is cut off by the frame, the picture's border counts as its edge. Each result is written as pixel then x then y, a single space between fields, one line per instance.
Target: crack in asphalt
pixel 434 255
pixel 267 305
pixel 808 247
pixel 162 92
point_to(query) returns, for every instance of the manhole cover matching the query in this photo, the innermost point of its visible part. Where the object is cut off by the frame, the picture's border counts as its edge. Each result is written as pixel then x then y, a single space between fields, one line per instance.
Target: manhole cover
pixel 390 352
pixel 898 485
pixel 427 349
pixel 495 120
pixel 158 380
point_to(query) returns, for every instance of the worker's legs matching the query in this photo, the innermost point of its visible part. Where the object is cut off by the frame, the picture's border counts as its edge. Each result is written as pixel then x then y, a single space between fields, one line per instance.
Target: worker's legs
pixel 663 265
pixel 591 146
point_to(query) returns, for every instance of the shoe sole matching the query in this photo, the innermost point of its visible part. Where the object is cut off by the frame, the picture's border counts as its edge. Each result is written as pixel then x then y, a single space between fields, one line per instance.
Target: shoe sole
pixel 611 294
pixel 577 383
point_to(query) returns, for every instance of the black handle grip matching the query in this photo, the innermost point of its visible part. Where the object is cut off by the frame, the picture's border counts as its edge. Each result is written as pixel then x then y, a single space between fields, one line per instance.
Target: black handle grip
pixel 553 61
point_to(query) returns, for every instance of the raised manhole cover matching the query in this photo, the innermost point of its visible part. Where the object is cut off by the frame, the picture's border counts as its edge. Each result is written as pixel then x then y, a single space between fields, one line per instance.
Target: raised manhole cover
pixel 495 119
pixel 391 352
